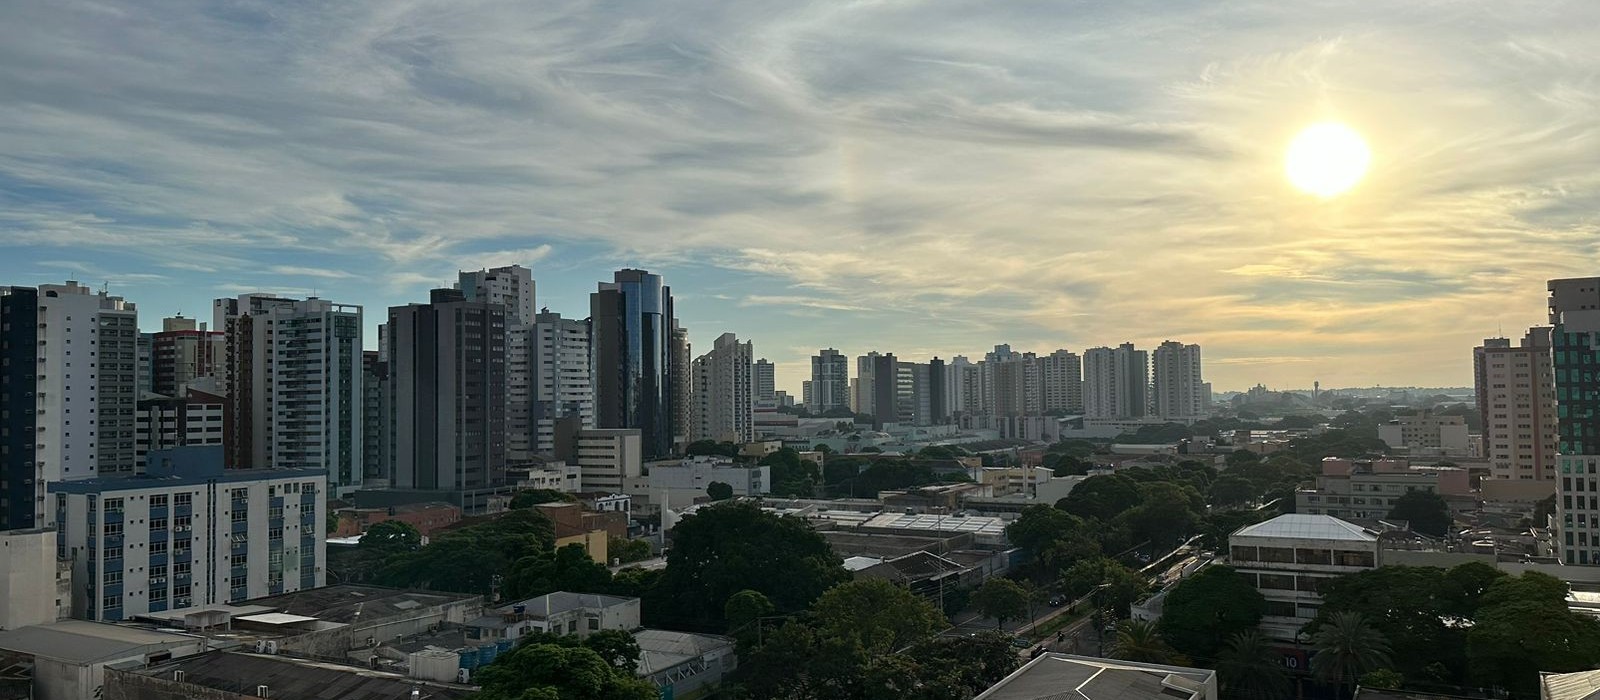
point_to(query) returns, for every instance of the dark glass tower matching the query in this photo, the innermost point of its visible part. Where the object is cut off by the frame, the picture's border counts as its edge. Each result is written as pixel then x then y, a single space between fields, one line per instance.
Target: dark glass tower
pixel 631 327
pixel 19 347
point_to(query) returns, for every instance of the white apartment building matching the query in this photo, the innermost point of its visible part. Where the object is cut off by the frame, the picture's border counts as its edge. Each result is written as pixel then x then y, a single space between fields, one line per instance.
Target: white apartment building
pixel 830 381
pixel 1427 435
pixel 1180 393
pixel 550 476
pixel 865 384
pixel 1288 559
pixel 1516 394
pixel 605 457
pixel 723 405
pixel 33 589
pixel 1061 374
pixel 964 386
pixel 511 286
pixel 294 377
pixel 563 377
pixel 162 424
pixel 86 386
pixel 764 379
pixel 1115 382
pixel 190 533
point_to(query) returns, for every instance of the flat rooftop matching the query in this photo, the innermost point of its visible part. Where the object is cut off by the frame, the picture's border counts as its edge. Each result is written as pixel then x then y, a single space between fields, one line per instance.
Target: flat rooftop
pixel 347 603
pixel 1055 676
pixel 81 641
pixel 298 679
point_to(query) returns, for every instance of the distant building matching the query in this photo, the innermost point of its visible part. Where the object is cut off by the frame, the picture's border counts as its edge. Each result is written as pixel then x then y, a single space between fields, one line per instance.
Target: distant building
pixel 233 675
pixel 563 613
pixel 724 401
pixel 1288 559
pixel 1116 382
pixel 562 378
pixel 69 658
pixel 1425 434
pixel 690 478
pixel 764 376
pixel 830 381
pixel 1179 391
pixel 1369 489
pixel 638 360
pixel 1061 373
pixel 1046 677
pixel 1516 393
pixel 185 355
pixel 189 533
pixel 605 457
pixel 1575 348
pixel 194 419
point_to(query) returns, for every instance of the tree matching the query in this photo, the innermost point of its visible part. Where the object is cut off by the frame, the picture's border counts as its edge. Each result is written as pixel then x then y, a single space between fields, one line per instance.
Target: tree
pixel 1209 608
pixel 791 476
pixel 1426 511
pixel 1001 599
pixel 466 559
pixel 1241 457
pixel 529 498
pixel 1101 497
pixel 1249 668
pixel 1232 491
pixel 627 551
pixel 1122 586
pixel 392 536
pixel 554 672
pixel 1524 627
pixel 744 611
pixel 568 569
pixel 1167 512
pixel 875 616
pixel 711 448
pixel 1140 640
pixel 1052 537
pixel 1347 647
pixel 719 491
pixel 1417 609
pixel 732 546
pixel 1382 679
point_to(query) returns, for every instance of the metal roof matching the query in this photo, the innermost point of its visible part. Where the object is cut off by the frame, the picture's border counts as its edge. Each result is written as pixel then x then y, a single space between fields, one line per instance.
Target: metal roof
pixel 84 642
pixel 296 679
pixel 1308 527
pixel 1063 676
pixel 979 525
pixel 1583 685
pixel 660 650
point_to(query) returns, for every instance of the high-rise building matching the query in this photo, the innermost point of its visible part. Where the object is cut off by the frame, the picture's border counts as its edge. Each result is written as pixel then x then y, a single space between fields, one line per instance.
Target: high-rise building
pixel 938 392
pixel 1061 376
pixel 375 423
pixel 1177 384
pixel 163 423
pixel 635 358
pixel 885 389
pixel 766 383
pixel 865 396
pixel 830 381
pixel 680 359
pixel 447 393
pixel 1575 352
pixel 511 286
pixel 1115 382
pixel 64 347
pixel 1516 395
pixel 992 385
pixel 964 386
pixel 563 381
pixel 185 355
pixel 723 392
pixel 294 386
pixel 189 533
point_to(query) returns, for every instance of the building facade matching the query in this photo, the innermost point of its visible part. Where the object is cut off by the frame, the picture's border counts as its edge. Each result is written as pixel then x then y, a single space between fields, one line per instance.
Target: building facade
pixel 1115 382
pixel 830 381
pixel 636 362
pixel 375 423
pixel 605 457
pixel 447 402
pixel 35 590
pixel 189 533
pixel 185 355
pixel 194 419
pixel 724 397
pixel 1425 434
pixel 1516 393
pixel 1179 391
pixel 563 378
pixel 765 376
pixel 1289 558
pixel 1575 353
pixel 1061 373
pixel 294 385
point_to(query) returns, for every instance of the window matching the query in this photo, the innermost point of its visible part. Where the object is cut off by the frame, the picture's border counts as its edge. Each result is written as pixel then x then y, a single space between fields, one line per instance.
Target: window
pixel 1323 557
pixel 275 534
pixel 158 572
pixel 158 501
pixel 182 522
pixel 158 523
pixel 180 569
pixel 113 505
pixel 572 626
pixel 1277 555
pixel 181 590
pixel 1279 582
pixel 158 547
pixel 240 515
pixel 181 546
pixel 275 512
pixel 1280 608
pixel 113 529
pixel 1244 553
pixel 111 601
pixel 183 499
pixel 113 578
pixel 1345 558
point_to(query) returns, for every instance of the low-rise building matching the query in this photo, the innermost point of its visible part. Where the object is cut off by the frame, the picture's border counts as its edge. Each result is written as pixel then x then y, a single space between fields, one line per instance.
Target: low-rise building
pixel 548 476
pixel 681 663
pixel 1425 434
pixel 69 657
pixel 190 533
pixel 562 613
pixel 35 587
pixel 1360 489
pixel 232 675
pixel 425 517
pixel 1289 558
pixel 605 456
pixel 1053 676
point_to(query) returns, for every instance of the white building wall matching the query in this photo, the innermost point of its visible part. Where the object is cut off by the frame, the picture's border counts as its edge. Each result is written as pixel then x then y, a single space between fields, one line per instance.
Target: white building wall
pixel 723 392
pixel 30 593
pixel 563 376
pixel 1178 387
pixel 607 457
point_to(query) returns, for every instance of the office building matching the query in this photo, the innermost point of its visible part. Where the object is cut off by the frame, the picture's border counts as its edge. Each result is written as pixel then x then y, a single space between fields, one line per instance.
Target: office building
pixel 723 392
pixel 605 457
pixel 1575 349
pixel 293 381
pixel 563 378
pixel 65 348
pixel 185 355
pixel 447 393
pixel 1061 376
pixel 1179 390
pixel 1369 489
pixel 1115 382
pixel 830 381
pixel 1290 557
pixel 375 423
pixel 1516 394
pixel 683 483
pixel 885 390
pixel 162 423
pixel 189 533
pixel 637 359
pixel 937 388
pixel 679 363
pixel 511 286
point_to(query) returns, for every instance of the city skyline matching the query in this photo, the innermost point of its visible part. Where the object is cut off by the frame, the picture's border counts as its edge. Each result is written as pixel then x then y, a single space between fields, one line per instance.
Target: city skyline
pixel 810 176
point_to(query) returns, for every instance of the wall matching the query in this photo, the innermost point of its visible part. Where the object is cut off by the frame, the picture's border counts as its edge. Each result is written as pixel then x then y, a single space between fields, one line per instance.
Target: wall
pixel 28 577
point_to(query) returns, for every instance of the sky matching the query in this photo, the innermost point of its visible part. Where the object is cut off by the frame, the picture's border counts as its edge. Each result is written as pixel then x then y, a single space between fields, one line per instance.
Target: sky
pixel 917 177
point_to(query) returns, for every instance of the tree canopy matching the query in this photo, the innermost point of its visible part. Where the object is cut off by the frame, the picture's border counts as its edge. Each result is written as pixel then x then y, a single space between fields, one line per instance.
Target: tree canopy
pixel 1207 609
pixel 561 668
pixel 1102 497
pixel 1425 510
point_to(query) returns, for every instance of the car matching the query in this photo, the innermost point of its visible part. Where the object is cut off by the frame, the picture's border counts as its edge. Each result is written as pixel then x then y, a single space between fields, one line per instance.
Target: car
pixel 1020 643
pixel 1057 601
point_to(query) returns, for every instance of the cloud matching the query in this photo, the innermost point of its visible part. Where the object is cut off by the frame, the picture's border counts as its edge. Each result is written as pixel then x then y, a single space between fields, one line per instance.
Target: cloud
pixel 913 177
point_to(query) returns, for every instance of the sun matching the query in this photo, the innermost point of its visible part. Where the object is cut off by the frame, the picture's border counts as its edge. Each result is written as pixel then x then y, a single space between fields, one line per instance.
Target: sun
pixel 1327 159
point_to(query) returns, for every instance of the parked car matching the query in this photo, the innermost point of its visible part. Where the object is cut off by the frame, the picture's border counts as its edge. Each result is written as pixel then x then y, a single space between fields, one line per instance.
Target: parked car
pixel 1058 601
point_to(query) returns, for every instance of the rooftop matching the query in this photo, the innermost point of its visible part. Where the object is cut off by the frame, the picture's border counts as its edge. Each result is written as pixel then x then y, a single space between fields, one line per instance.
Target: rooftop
pixel 297 679
pixel 660 650
pixel 182 466
pixel 552 604
pixel 81 641
pixel 1061 676
pixel 976 524
pixel 1310 527
pixel 1583 685
pixel 348 602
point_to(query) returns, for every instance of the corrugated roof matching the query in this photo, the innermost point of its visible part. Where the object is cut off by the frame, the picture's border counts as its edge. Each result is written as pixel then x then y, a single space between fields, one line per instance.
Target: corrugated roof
pixel 294 679
pixel 1583 685
pixel 1063 677
pixel 80 641
pixel 1306 526
pixel 660 650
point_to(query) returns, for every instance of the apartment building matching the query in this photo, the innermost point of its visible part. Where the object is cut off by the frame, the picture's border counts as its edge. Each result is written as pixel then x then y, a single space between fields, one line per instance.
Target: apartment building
pixel 1290 557
pixel 1516 392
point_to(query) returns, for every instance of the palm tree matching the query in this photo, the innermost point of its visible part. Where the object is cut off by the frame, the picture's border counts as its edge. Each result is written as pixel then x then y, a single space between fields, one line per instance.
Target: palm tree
pixel 1138 640
pixel 1346 648
pixel 1249 668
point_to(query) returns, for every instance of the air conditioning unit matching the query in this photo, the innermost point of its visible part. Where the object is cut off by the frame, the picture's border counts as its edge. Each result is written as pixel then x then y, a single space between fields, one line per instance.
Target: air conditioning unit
pixel 272 648
pixel 261 646
pixel 463 675
pixel 177 676
pixel 261 691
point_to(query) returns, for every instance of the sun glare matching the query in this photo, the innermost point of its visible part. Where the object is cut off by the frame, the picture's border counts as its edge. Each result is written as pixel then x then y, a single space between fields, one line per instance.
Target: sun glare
pixel 1326 159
